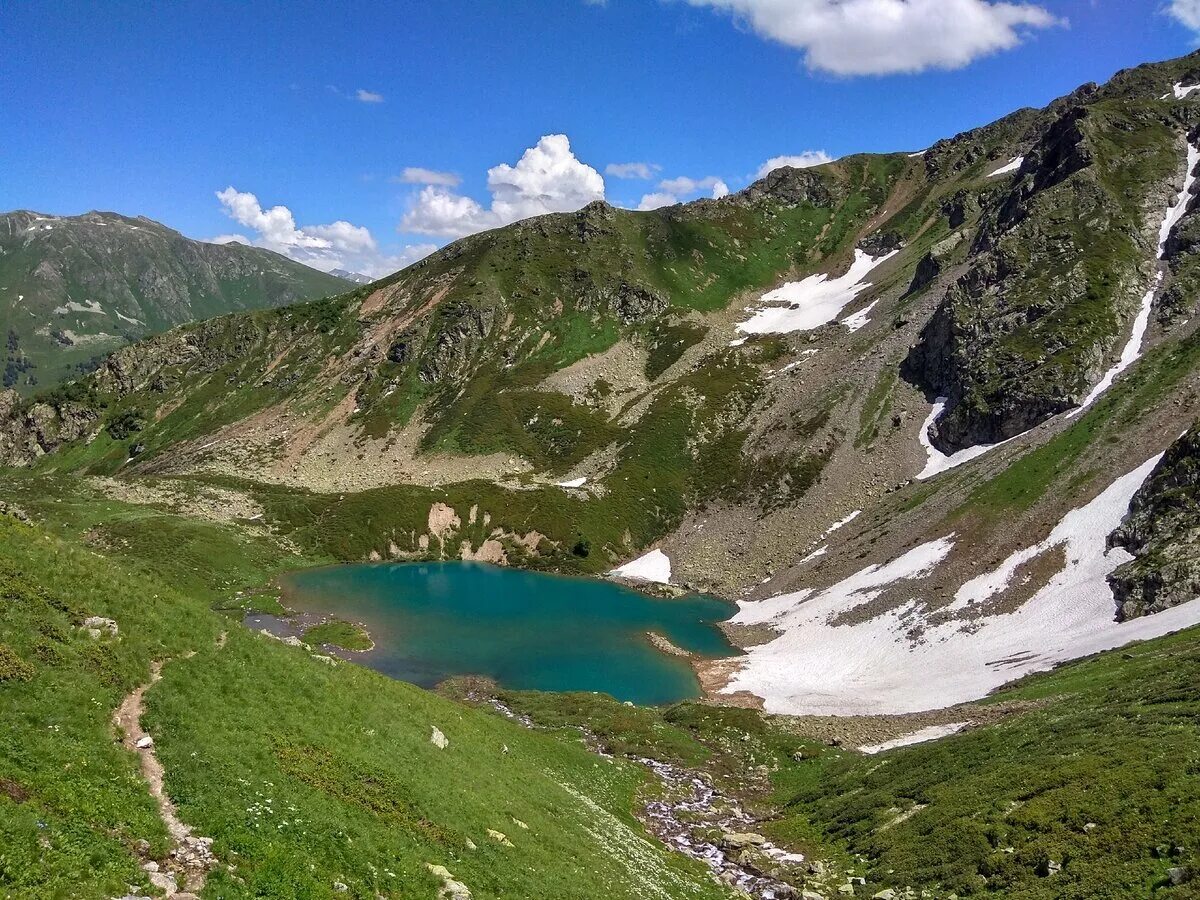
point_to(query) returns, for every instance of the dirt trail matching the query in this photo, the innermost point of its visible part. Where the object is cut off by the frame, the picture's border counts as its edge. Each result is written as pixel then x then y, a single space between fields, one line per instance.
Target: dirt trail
pixel 186 868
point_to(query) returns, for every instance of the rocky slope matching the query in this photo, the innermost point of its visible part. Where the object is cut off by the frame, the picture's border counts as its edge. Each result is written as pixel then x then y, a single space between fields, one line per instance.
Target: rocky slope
pixel 1162 531
pixel 73 288
pixel 597 378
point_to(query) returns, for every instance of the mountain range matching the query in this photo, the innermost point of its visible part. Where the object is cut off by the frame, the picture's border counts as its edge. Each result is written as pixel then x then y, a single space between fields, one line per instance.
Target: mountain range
pixel 929 418
pixel 74 288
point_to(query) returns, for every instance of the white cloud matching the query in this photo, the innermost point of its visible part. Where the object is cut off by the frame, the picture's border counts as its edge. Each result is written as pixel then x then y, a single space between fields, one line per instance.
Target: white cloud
pixel 338 245
pixel 802 161
pixel 368 96
pixel 547 178
pixel 639 170
pixel 1187 12
pixel 419 175
pixel 657 200
pixel 676 190
pixel 880 37
pixel 228 239
pixel 683 185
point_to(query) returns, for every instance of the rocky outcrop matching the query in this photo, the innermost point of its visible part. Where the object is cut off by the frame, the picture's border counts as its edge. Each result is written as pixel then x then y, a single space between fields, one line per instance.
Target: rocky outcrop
pixel 1162 531
pixel 795 187
pixel 464 327
pixel 30 430
pixel 1031 324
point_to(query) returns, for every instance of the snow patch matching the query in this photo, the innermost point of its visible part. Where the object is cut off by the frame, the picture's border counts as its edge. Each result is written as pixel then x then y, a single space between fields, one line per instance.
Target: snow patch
pixel 1180 91
pixel 938 461
pixel 900 661
pixel 1133 347
pixel 573 483
pixel 857 320
pixel 654 566
pixel 1011 166
pixel 813 302
pixel 931 733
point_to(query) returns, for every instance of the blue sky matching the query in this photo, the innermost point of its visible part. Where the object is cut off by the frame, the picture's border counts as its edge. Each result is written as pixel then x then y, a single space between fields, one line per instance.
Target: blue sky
pixel 152 109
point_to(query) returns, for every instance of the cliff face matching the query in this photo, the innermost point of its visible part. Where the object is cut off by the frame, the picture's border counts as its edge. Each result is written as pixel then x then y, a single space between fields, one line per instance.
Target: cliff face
pixel 1062 252
pixel 1162 531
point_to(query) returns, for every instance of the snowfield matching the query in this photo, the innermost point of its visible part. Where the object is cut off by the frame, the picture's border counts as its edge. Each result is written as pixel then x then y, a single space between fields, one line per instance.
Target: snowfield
pixel 1011 166
pixel 654 566
pixel 901 661
pixel 932 733
pixel 813 302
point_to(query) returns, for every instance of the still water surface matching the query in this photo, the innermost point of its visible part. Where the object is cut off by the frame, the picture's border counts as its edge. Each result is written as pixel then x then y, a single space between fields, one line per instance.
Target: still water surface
pixel 526 630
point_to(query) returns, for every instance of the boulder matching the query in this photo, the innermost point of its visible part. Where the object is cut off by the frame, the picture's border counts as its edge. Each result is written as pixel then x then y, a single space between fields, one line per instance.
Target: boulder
pixel 438 739
pixel 734 840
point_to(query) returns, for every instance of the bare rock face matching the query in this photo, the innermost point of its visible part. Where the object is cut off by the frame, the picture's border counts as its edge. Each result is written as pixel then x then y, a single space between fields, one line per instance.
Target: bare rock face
pixel 1162 531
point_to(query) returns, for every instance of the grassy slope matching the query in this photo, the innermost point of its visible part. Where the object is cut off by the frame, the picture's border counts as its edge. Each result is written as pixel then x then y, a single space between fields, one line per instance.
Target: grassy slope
pixel 342 754
pixel 1107 743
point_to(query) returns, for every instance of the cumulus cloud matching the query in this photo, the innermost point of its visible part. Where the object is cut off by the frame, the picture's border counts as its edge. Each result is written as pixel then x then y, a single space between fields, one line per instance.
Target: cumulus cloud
pixel 337 245
pixel 547 178
pixel 676 190
pixel 419 175
pixel 657 200
pixel 800 161
pixel 881 37
pixel 366 96
pixel 636 170
pixel 1186 12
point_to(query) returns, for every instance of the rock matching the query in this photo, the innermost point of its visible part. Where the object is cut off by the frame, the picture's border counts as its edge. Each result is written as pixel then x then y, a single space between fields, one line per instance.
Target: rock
pixel 340 887
pixel 520 824
pixel 1177 875
pixel 438 739
pixel 1090 827
pixel 1048 868
pixel 11 509
pixel 499 837
pixel 164 882
pixel 811 895
pixel 451 888
pixel 98 625
pixel 144 743
pixel 1162 531
pixel 846 889
pixel 734 840
pixel 885 894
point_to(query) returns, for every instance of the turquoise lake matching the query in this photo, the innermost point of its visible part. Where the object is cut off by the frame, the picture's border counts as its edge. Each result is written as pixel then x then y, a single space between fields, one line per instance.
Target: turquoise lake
pixel 525 630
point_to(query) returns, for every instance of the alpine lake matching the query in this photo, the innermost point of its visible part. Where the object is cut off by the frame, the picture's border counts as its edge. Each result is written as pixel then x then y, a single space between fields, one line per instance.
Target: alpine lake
pixel 524 630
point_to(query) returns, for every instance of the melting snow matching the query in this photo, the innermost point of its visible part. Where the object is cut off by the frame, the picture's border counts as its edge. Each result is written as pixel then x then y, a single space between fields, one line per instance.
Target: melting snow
pixel 654 566
pixel 932 733
pixel 938 461
pixel 573 483
pixel 813 302
pixel 1011 166
pixel 1133 347
pixel 857 320
pixel 1180 90
pixel 737 342
pixel 881 665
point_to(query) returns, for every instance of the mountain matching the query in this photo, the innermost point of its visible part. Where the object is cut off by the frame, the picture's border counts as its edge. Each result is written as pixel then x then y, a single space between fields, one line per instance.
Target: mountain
pixel 351 276
pixel 929 418
pixel 73 288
